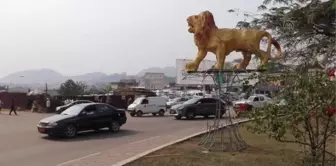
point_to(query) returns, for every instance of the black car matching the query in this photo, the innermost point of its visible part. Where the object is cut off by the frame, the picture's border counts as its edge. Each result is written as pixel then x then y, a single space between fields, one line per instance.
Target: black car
pixel 80 117
pixel 199 106
pixel 60 109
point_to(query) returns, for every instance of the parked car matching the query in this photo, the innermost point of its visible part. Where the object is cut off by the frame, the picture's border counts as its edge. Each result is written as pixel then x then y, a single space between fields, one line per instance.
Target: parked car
pixel 173 109
pixel 148 105
pixel 199 106
pixel 254 101
pixel 80 117
pixel 177 100
pixel 60 109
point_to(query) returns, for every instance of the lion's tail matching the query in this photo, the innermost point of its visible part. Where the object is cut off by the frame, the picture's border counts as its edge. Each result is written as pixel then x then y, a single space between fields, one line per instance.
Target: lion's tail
pixel 277 46
pixel 271 42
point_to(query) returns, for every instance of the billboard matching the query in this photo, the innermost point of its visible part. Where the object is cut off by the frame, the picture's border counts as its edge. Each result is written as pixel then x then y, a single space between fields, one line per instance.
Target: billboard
pixel 182 77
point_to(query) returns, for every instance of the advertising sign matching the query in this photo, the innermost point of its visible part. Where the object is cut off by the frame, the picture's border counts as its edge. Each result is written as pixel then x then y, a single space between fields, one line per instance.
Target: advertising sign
pixel 182 77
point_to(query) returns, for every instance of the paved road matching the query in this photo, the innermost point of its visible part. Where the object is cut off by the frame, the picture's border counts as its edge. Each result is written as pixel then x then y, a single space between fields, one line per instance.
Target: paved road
pixel 21 144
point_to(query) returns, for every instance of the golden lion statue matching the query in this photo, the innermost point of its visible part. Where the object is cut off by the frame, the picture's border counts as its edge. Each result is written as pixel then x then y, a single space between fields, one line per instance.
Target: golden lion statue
pixel 221 42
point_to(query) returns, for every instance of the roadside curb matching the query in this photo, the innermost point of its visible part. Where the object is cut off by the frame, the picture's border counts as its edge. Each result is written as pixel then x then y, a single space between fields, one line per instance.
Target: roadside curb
pixel 131 159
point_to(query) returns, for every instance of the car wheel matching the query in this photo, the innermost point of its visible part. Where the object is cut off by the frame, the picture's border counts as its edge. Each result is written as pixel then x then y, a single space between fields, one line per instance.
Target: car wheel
pixel 139 113
pixel 154 114
pixel 161 112
pixel 206 116
pixel 114 126
pixel 190 115
pixel 70 131
pixel 132 114
pixel 178 117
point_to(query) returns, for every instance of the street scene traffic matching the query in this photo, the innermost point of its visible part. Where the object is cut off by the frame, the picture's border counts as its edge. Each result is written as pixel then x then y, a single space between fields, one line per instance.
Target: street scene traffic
pixel 168 83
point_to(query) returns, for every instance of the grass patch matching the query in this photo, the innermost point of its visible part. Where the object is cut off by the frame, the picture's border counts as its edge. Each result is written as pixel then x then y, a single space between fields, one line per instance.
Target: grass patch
pixel 261 151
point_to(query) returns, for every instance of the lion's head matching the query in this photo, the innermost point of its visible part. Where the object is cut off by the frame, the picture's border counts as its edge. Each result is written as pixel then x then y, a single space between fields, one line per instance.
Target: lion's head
pixel 201 25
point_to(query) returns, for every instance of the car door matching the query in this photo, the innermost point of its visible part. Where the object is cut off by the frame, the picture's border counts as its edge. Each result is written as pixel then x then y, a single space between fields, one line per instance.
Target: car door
pixel 211 106
pixel 145 106
pixel 256 102
pixel 202 107
pixel 87 118
pixel 262 101
pixel 105 115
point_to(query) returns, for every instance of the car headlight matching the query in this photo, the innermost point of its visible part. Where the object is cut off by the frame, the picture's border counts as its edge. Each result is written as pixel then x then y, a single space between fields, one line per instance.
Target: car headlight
pixel 52 124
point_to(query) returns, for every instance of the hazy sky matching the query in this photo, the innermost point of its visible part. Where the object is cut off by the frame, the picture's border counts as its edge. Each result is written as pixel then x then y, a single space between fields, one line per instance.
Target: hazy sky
pixel 80 36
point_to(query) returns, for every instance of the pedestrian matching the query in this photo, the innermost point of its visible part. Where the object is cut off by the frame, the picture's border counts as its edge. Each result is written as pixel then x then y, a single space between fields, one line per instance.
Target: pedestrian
pixel 48 104
pixel 0 106
pixel 129 101
pixel 13 109
pixel 34 106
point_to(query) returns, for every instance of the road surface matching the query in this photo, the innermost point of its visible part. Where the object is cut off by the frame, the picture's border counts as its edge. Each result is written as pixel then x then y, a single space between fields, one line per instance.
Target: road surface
pixel 22 145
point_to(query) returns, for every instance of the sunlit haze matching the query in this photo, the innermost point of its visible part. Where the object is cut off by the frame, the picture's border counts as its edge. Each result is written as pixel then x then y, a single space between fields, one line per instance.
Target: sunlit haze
pixel 111 36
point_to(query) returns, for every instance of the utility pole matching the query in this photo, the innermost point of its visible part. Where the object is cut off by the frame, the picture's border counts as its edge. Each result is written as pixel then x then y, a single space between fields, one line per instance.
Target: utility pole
pixel 46 88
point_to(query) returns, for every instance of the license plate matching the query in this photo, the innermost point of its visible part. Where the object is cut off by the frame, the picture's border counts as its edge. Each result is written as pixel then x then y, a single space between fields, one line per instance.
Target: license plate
pixel 42 130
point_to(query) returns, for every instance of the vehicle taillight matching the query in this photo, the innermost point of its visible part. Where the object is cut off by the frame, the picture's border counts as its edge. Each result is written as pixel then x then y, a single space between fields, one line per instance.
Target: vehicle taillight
pixel 243 107
pixel 331 111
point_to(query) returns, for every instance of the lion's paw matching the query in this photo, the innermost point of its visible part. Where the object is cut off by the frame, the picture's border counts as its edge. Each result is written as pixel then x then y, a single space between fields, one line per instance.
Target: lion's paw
pixel 191 66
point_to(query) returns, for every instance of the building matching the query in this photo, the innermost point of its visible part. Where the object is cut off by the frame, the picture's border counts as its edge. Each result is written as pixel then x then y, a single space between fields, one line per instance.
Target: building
pixel 154 81
pixel 124 83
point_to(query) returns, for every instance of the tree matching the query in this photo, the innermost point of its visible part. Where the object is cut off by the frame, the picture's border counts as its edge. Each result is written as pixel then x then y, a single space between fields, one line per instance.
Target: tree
pixel 72 88
pixel 305 30
pixel 94 90
pixel 107 88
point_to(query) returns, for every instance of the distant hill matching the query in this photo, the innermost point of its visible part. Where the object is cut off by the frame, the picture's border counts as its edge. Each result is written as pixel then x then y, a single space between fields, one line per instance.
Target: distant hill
pixel 38 78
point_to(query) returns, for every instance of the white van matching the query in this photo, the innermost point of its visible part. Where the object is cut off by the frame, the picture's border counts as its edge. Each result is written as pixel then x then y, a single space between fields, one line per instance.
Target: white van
pixel 148 105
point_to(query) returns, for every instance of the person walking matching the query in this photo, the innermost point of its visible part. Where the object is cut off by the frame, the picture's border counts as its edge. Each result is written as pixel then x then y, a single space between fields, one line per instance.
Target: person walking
pixel 13 109
pixel 129 101
pixel 48 105
pixel 0 106
pixel 34 106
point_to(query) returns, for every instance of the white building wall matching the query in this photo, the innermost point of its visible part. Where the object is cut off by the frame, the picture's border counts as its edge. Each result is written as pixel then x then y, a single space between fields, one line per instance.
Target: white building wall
pixel 154 81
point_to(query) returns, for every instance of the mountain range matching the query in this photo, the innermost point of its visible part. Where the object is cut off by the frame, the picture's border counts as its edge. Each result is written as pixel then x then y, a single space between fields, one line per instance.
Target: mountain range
pixel 40 77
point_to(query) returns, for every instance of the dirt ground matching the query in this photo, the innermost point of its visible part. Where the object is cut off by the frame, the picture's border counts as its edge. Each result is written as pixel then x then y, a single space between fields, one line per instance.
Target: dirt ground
pixel 261 151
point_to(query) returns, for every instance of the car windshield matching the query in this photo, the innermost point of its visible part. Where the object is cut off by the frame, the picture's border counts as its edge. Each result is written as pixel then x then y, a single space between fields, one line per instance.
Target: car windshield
pixel 191 101
pixel 74 110
pixel 137 101
pixel 251 98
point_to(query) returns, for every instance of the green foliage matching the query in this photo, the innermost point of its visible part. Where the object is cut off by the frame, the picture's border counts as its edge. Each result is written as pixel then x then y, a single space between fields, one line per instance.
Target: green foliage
pixel 94 90
pixel 306 31
pixel 72 88
pixel 304 118
pixel 107 88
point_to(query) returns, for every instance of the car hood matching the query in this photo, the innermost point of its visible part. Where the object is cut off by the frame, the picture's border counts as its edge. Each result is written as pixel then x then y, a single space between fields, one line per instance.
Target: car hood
pixel 176 106
pixel 170 103
pixel 120 109
pixel 240 102
pixel 131 106
pixel 180 106
pixel 62 106
pixel 56 118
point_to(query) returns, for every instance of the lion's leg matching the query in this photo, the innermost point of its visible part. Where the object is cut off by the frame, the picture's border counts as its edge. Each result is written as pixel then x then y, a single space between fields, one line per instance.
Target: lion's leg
pixel 220 58
pixel 263 58
pixel 193 66
pixel 246 60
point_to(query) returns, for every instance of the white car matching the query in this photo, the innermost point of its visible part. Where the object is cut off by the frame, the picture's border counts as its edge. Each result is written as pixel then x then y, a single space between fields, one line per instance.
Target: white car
pixel 255 101
pixel 148 105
